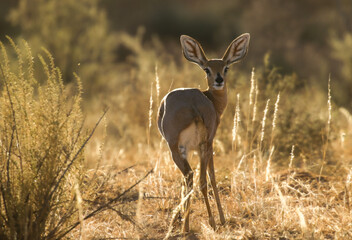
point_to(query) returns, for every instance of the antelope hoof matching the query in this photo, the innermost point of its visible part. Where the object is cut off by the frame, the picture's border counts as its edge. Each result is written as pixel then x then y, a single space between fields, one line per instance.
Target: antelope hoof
pixel 185 229
pixel 222 220
pixel 212 222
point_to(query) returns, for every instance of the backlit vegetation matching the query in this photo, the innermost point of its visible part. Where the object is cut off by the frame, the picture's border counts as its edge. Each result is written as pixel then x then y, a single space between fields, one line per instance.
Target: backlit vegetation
pixel 41 144
pixel 283 155
pixel 282 159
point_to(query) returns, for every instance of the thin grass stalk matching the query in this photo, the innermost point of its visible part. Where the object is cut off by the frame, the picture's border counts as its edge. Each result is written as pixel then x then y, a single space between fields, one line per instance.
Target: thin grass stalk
pixel 292 156
pixel 150 114
pixel 80 210
pixel 251 101
pixel 171 84
pixel 139 204
pixel 274 120
pixel 302 222
pixel 157 84
pixel 255 173
pixel 175 212
pixel 236 121
pixel 282 199
pixel 252 89
pixel 262 133
pixel 268 166
pixel 328 126
pixel 241 161
pixel 254 114
pixel 329 110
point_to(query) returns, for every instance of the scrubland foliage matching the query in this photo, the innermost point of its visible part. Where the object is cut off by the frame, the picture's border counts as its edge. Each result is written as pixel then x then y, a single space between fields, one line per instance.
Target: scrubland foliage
pixel 41 142
pixel 76 33
pixel 282 156
pixel 342 51
pixel 282 151
pixel 281 163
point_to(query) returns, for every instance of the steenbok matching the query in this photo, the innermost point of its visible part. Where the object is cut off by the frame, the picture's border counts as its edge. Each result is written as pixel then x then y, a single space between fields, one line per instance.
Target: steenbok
pixel 188 118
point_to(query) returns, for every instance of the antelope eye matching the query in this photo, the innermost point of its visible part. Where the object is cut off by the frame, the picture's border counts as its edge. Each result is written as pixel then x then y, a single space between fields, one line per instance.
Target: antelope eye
pixel 226 69
pixel 207 71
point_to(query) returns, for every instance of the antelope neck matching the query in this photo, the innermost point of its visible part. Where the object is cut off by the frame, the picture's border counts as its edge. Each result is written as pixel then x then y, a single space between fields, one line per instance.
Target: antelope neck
pixel 218 98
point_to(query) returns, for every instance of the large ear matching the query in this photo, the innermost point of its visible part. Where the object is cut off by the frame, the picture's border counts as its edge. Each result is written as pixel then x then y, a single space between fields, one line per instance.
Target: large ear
pixel 192 50
pixel 237 49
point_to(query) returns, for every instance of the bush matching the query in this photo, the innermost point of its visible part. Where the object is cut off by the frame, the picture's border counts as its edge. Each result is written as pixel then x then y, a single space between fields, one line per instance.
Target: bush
pixel 342 52
pixel 73 31
pixel 41 147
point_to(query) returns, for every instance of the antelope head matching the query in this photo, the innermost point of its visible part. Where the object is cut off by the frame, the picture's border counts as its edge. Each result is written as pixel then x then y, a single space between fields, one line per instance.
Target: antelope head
pixel 215 69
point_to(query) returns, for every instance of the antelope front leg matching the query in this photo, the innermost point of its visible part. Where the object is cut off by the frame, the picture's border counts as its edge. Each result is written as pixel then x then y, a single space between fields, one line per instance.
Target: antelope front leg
pixel 181 162
pixel 187 206
pixel 205 156
pixel 215 189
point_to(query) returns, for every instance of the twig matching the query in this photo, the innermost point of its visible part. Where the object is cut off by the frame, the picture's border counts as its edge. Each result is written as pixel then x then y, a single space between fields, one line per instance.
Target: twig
pixel 127 218
pixel 126 169
pixel 76 155
pixel 104 206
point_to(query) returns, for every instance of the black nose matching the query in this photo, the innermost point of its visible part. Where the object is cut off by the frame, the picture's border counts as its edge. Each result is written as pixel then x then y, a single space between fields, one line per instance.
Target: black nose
pixel 219 79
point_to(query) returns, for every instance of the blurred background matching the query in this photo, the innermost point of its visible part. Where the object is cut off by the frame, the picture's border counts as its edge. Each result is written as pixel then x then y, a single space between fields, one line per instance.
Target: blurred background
pixel 311 38
pixel 118 47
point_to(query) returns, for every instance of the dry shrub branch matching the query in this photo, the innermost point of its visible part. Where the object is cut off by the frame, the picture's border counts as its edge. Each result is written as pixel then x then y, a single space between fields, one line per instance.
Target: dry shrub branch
pixel 42 140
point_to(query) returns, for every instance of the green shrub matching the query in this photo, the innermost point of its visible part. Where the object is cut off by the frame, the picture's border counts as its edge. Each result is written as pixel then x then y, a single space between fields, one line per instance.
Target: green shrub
pixel 41 143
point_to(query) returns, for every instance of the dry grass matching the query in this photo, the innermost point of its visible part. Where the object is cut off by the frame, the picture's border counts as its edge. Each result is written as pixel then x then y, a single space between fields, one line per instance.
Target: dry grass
pixel 264 195
pixel 283 167
pixel 293 204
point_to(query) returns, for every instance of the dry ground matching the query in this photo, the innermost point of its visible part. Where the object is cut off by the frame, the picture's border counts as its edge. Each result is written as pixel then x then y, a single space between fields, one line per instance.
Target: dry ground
pixel 259 202
pixel 266 192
